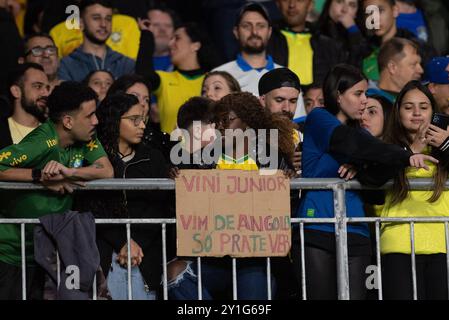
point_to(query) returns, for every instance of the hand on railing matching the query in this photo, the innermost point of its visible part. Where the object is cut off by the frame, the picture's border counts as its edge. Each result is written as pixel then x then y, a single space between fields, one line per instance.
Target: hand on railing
pixel 347 171
pixel 55 171
pixel 418 160
pixel 62 187
pixel 136 254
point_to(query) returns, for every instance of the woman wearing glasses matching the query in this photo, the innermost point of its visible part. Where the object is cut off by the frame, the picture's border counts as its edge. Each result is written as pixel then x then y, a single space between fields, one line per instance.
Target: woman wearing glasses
pixel 121 129
pixel 137 86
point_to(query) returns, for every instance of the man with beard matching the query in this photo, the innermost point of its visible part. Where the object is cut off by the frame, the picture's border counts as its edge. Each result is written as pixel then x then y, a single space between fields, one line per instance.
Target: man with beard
pixel 297 45
pixel 41 49
pixel 279 92
pixel 253 31
pixel 29 90
pixel 94 54
pixel 59 154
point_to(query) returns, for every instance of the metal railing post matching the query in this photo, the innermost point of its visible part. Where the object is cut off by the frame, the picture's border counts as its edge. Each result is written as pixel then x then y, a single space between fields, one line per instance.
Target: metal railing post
pixel 341 241
pixel 22 248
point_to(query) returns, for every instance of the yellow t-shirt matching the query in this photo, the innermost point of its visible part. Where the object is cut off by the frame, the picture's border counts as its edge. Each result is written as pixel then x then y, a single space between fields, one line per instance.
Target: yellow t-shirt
pixel 429 237
pixel 173 91
pixel 18 131
pixel 125 37
pixel 229 163
pixel 300 55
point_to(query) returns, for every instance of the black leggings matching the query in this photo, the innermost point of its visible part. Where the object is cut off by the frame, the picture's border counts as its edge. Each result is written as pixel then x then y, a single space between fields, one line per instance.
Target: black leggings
pixel 431 277
pixel 321 273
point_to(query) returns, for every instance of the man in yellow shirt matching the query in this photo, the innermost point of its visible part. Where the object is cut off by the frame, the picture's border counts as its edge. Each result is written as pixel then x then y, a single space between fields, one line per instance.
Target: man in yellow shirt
pixel 293 43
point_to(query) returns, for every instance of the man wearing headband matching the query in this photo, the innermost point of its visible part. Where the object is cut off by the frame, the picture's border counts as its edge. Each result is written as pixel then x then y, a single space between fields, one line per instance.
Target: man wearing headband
pixel 437 77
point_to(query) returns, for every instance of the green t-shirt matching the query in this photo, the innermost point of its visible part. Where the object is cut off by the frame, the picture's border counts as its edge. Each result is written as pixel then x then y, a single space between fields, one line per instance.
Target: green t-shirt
pixel 370 66
pixel 35 151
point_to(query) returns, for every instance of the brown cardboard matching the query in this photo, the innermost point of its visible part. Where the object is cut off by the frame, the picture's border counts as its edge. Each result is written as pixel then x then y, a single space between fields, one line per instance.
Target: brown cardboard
pixel 217 217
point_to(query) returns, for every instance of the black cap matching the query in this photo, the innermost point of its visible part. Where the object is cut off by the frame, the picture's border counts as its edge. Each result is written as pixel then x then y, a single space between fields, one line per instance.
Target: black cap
pixel 278 78
pixel 253 6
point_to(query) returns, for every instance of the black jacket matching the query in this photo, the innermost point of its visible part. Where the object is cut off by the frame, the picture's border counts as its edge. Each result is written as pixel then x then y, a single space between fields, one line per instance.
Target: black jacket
pixel 12 47
pixel 5 134
pixel 354 45
pixel 326 52
pixel 147 163
pixel 73 235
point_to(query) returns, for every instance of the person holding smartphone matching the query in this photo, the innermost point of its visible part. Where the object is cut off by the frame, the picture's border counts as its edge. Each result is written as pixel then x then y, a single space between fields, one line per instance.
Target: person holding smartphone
pixel 412 128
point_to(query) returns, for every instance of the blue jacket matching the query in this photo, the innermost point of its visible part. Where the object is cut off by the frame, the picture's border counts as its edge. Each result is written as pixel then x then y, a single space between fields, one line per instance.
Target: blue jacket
pixel 79 64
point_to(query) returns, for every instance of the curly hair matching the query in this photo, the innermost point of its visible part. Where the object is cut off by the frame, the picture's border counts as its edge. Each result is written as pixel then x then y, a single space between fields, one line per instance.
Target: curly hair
pixel 248 108
pixel 109 114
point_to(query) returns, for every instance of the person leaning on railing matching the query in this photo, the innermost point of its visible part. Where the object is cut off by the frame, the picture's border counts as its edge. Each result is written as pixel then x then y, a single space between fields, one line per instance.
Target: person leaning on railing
pixel 59 154
pixel 410 127
pixel 332 140
pixel 121 129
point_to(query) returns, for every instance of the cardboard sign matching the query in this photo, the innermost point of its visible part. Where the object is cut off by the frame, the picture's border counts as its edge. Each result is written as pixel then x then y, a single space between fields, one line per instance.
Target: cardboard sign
pixel 232 212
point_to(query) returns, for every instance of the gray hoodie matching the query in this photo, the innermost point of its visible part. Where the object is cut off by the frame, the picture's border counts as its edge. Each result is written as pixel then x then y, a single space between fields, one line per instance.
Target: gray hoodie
pixel 77 65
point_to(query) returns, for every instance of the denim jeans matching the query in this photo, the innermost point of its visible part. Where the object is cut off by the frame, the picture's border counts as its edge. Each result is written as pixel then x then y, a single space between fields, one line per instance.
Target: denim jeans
pixel 251 282
pixel 118 283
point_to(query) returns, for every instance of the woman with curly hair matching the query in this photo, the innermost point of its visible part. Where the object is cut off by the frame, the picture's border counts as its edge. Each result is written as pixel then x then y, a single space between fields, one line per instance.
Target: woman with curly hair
pixel 238 112
pixel 121 127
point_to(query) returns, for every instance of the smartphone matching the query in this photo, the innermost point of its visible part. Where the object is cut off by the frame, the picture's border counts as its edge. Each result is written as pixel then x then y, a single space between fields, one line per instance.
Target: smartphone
pixel 440 120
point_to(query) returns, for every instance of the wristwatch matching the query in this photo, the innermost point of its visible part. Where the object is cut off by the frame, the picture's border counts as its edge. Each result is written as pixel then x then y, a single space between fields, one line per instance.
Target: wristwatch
pixel 36 174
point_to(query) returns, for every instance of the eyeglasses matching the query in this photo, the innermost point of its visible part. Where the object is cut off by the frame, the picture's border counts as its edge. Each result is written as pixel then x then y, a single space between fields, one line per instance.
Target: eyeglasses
pixel 136 119
pixel 39 51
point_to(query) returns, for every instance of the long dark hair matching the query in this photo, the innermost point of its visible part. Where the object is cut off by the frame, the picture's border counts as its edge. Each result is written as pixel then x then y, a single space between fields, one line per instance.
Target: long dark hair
pixel 329 27
pixel 339 79
pixel 397 134
pixel 109 114
pixel 122 84
pixel 207 56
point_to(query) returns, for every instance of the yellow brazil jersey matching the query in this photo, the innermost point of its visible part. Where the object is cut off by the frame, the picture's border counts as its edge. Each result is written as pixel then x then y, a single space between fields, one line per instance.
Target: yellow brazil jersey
pixel 229 163
pixel 125 37
pixel 300 55
pixel 173 91
pixel 297 137
pixel 429 237
pixel 20 18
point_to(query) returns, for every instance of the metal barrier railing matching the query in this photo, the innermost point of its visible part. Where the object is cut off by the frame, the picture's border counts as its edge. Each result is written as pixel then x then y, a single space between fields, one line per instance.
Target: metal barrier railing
pixel 340 221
